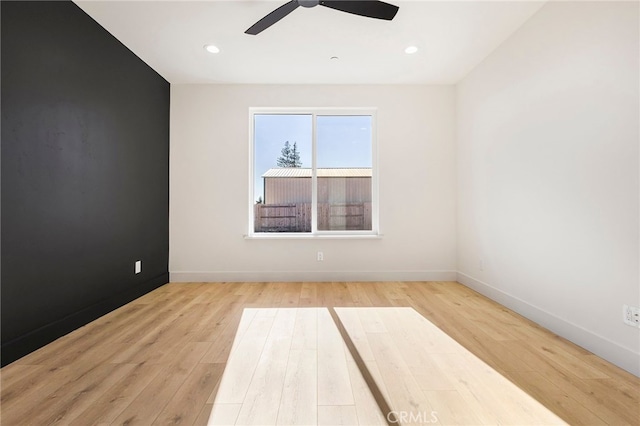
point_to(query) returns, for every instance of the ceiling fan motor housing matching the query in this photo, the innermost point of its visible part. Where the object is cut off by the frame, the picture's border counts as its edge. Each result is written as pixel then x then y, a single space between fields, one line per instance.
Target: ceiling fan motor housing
pixel 308 3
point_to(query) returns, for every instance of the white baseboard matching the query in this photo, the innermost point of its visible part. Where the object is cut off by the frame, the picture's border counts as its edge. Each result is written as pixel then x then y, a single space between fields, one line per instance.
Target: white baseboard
pixel 312 276
pixel 599 345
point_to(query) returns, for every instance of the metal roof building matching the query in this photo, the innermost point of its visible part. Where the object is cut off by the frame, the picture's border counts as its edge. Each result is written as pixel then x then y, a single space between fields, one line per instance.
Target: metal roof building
pixel 286 172
pixel 335 185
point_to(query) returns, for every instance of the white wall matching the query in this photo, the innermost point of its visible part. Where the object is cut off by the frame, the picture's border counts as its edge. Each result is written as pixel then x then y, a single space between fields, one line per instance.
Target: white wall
pixel 548 174
pixel 209 174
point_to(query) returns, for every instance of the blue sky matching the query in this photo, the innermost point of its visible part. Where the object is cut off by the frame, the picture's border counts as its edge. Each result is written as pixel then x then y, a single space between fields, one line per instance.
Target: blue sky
pixel 343 141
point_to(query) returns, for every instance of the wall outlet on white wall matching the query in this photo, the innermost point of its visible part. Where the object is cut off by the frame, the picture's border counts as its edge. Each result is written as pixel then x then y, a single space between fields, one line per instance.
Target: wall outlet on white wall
pixel 631 315
pixel 320 256
pixel 138 266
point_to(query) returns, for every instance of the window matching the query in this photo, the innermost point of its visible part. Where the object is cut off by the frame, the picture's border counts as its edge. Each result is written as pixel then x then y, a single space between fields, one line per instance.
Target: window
pixel 313 172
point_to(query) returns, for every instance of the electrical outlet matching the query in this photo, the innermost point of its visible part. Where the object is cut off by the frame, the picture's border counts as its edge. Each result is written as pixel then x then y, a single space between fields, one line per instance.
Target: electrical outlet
pixel 631 315
pixel 320 256
pixel 138 267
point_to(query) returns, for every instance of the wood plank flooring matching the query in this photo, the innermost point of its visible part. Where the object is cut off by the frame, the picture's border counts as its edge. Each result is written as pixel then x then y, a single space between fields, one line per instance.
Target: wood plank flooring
pixel 298 374
pixel 422 376
pixel 160 359
pixel 430 378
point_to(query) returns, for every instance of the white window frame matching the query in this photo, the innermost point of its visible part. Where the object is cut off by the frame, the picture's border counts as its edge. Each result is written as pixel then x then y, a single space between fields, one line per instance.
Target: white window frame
pixel 315 233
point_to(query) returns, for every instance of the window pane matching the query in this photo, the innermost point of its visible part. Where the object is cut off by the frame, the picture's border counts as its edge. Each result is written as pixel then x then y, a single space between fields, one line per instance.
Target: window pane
pixel 344 163
pixel 282 172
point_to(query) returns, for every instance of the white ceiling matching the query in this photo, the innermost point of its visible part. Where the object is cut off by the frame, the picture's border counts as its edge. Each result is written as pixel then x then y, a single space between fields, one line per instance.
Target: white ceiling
pixel 452 37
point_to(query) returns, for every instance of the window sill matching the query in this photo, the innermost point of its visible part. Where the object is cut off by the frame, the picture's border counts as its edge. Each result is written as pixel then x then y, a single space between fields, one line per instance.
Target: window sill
pixel 309 236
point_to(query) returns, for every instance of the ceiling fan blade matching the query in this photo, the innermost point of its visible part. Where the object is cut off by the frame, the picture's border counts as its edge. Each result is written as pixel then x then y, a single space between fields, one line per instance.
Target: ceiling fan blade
pixel 370 8
pixel 273 17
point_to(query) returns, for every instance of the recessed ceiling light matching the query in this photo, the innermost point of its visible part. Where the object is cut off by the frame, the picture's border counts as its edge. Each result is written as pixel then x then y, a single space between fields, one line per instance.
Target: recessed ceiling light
pixel 410 50
pixel 334 58
pixel 211 48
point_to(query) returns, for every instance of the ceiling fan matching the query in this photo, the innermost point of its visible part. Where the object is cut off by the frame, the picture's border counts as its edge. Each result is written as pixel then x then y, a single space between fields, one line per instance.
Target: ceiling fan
pixel 370 8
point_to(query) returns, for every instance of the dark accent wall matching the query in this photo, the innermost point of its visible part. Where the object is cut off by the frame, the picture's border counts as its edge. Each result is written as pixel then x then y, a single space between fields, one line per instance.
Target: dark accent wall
pixel 85 174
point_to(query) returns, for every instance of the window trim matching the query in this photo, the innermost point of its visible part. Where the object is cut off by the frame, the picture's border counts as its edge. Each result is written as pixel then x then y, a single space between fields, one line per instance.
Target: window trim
pixel 315 233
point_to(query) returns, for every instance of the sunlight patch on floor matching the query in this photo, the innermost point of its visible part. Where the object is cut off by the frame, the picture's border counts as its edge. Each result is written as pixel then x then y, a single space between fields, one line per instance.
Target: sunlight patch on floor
pixel 291 366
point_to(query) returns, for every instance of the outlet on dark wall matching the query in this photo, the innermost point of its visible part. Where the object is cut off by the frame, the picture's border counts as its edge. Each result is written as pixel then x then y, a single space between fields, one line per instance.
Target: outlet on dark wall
pixel 85 174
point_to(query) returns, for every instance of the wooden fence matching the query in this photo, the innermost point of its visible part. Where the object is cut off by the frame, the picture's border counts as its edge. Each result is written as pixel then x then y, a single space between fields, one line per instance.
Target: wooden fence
pixel 297 217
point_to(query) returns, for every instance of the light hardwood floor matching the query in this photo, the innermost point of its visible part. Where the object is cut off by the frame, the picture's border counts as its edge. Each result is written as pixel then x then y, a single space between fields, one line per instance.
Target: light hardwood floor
pixel 160 359
pixel 420 374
